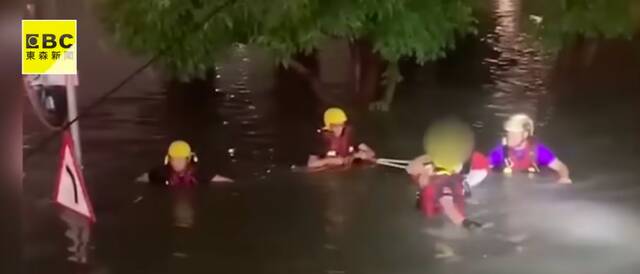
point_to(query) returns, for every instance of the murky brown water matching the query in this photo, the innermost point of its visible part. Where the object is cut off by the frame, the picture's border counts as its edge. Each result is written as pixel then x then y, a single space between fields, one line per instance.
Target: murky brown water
pixel 360 221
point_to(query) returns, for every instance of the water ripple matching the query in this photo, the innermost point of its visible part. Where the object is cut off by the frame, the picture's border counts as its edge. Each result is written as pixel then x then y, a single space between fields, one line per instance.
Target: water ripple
pixel 520 68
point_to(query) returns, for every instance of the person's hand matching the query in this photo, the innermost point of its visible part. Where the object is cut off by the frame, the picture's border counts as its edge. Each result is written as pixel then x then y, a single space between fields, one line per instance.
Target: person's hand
pixel 359 155
pixel 221 179
pixel 335 161
pixel 365 156
pixel 348 160
pixel 423 180
pixel 565 180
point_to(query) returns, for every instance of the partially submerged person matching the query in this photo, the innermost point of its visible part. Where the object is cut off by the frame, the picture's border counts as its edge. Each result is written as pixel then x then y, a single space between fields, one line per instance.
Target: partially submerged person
pixel 474 170
pixel 338 144
pixel 180 169
pixel 521 152
pixel 438 174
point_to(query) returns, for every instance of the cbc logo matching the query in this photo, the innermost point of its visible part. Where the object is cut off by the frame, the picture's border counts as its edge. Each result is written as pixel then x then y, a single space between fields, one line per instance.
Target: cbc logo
pixel 48 41
pixel 49 47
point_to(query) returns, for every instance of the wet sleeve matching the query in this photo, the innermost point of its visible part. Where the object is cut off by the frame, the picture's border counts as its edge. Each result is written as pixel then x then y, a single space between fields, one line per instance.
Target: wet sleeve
pixel 545 155
pixel 476 176
pixel 479 161
pixel 158 175
pixel 496 157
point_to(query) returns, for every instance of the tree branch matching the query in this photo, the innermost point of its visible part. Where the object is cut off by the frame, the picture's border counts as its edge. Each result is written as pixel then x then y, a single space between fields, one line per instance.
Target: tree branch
pixel 301 69
pixel 316 85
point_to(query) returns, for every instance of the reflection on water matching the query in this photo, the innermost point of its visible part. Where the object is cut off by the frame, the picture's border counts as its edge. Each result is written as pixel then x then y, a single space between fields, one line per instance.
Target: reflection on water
pixel 79 232
pixel 183 213
pixel 245 109
pixel 341 198
pixel 519 70
pixel 337 207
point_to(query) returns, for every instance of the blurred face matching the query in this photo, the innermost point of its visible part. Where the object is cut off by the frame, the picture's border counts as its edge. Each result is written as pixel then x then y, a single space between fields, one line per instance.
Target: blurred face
pixel 179 164
pixel 516 138
pixel 337 129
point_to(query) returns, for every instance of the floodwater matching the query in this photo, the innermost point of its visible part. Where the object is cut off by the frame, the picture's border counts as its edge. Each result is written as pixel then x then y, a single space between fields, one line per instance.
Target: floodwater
pixel 253 126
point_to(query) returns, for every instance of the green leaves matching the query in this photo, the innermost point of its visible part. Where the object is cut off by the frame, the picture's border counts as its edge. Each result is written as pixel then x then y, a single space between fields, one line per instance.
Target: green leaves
pixel 423 29
pixel 565 20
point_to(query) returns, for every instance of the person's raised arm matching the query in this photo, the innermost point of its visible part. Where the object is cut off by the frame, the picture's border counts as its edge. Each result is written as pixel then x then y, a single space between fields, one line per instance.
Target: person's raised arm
pixel 416 166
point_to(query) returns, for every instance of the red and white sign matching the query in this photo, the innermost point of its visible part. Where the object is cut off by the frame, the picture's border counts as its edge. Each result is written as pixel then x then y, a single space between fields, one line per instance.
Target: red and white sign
pixel 71 190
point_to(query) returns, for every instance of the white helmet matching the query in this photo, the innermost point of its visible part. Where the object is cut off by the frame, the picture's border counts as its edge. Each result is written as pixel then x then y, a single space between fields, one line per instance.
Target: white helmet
pixel 519 123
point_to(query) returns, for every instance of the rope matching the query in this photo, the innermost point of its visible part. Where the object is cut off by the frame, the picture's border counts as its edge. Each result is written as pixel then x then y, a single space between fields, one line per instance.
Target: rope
pixel 383 163
pixel 395 161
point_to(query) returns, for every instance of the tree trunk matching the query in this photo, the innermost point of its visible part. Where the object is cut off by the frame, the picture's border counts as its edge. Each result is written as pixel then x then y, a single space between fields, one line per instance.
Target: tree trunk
pixel 367 69
pixel 356 66
pixel 391 78
pixel 367 72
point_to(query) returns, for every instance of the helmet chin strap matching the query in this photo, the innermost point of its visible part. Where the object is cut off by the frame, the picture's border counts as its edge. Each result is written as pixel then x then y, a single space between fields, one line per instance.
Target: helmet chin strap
pixel 193 157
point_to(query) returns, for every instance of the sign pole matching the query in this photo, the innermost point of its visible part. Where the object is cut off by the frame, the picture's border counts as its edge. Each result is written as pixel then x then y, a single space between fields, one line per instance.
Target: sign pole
pixel 72 104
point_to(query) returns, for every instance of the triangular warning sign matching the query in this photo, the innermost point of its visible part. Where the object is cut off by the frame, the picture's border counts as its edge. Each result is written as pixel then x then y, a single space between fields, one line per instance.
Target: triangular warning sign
pixel 71 190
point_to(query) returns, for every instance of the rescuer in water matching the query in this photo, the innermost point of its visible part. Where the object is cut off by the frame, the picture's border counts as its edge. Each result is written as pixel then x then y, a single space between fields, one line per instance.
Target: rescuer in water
pixel 521 152
pixel 338 143
pixel 474 170
pixel 180 169
pixel 440 173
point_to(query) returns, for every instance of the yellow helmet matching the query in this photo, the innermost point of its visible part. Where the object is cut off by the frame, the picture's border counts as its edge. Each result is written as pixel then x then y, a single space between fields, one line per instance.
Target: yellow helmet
pixel 334 116
pixel 179 149
pixel 519 123
pixel 449 143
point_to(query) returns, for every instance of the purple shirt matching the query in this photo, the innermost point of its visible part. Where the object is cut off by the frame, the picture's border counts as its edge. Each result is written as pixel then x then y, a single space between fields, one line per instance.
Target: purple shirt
pixel 543 153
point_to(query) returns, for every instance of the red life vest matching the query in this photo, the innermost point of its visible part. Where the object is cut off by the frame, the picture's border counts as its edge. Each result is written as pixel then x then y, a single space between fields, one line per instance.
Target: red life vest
pixel 338 145
pixel 439 186
pixel 478 161
pixel 429 196
pixel 185 178
pixel 524 159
